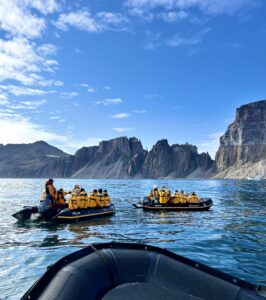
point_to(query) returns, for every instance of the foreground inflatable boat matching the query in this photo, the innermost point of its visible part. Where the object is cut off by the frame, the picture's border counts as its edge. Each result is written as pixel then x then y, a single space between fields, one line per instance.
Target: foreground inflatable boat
pixel 146 204
pixel 65 215
pixel 116 271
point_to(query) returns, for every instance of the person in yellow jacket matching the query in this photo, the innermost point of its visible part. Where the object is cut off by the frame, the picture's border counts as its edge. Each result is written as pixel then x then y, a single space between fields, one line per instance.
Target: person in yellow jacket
pixel 101 197
pixel 175 199
pixel 107 198
pixel 82 199
pixel 163 196
pixel 93 200
pixel 183 198
pixel 48 198
pixel 60 201
pixel 154 195
pixel 73 199
pixel 193 198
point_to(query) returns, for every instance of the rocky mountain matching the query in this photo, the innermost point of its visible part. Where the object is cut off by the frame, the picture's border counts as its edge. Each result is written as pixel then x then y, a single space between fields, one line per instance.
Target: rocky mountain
pixel 242 151
pixel 117 158
pixel 38 159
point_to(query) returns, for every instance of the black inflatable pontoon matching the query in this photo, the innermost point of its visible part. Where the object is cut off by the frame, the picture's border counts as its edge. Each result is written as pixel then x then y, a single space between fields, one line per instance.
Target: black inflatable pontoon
pixel 146 204
pixel 116 271
pixel 68 215
pixel 65 215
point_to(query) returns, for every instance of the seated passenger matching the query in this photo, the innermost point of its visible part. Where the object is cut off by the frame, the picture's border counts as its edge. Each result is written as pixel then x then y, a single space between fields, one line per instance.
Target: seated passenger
pixel 182 197
pixel 150 196
pixel 73 199
pixel 82 199
pixel 101 198
pixel 175 199
pixel 93 200
pixel 60 200
pixel 106 198
pixel 163 196
pixel 76 189
pixel 193 198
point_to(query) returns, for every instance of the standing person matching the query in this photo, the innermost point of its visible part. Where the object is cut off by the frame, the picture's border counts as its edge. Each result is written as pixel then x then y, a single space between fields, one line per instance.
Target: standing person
pixel 49 195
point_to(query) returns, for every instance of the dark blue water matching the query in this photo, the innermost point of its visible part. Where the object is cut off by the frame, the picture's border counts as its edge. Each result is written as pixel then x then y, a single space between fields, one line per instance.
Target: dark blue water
pixel 231 236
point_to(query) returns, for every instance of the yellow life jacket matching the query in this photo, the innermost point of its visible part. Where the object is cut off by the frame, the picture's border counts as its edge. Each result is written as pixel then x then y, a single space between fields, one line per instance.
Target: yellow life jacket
pixel 107 201
pixel 101 199
pixel 168 192
pixel 150 196
pixel 183 198
pixel 175 199
pixel 193 199
pixel 82 200
pixel 60 198
pixel 92 201
pixel 163 199
pixel 73 202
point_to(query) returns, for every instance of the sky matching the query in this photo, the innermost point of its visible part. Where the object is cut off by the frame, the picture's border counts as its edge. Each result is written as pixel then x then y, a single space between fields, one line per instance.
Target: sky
pixel 73 73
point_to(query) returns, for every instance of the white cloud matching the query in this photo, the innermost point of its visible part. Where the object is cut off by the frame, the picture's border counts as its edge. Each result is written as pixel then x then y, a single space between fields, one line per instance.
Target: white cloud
pixel 152 96
pixel 3 99
pixel 47 49
pixel 178 41
pixel 31 105
pixel 108 102
pixel 19 61
pixel 123 129
pixel 84 85
pixel 17 20
pixel 153 40
pixel 107 88
pixel 81 20
pixel 45 7
pixel 211 144
pixel 215 7
pixel 68 95
pixel 23 91
pixel 17 129
pixel 172 16
pixel 120 116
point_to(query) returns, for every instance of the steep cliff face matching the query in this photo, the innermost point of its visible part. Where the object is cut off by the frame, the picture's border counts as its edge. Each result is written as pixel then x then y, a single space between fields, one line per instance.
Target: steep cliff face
pixel 242 151
pixel 116 158
pixel 175 161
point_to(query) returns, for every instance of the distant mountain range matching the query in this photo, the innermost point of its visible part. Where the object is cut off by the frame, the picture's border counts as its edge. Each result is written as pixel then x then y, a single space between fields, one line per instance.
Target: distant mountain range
pixel 242 153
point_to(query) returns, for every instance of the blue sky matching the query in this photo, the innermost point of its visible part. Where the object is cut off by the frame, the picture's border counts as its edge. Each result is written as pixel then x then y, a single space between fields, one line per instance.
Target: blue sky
pixel 74 73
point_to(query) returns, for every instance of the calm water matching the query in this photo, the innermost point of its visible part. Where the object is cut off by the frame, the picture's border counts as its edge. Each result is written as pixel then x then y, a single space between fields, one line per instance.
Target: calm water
pixel 230 237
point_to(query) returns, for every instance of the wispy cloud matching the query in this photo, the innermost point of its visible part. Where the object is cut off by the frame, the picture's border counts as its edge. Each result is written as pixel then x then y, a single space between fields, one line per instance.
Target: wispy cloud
pixel 20 61
pixel 85 21
pixel 123 129
pixel 107 102
pixel 178 41
pixel 28 105
pixel 120 116
pixel 68 95
pixel 107 88
pixel 152 96
pixel 212 7
pixel 24 91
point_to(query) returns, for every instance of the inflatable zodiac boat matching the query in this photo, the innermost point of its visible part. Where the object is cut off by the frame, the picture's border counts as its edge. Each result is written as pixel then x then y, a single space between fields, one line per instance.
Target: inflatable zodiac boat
pixel 65 215
pixel 134 271
pixel 146 204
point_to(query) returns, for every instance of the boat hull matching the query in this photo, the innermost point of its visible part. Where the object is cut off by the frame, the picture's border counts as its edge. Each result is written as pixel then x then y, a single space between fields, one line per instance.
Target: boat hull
pixel 68 215
pixel 135 271
pixel 205 204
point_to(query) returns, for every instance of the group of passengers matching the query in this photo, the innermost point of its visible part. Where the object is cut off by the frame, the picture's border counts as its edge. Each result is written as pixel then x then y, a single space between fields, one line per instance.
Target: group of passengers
pixel 78 198
pixel 163 196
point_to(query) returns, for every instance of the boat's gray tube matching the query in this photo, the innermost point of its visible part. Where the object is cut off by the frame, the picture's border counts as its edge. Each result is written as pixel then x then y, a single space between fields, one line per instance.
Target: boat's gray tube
pixel 135 271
